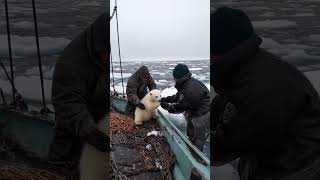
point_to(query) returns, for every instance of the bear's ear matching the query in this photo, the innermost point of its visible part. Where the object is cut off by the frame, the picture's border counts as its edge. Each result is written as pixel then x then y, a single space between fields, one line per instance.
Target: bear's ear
pixel 150 94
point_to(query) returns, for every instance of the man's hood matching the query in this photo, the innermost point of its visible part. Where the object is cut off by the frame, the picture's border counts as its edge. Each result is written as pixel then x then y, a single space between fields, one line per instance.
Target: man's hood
pixel 223 68
pixel 98 39
pixel 142 72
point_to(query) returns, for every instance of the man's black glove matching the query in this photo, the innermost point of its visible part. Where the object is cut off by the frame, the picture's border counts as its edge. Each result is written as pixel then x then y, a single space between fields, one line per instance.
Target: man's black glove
pixel 163 100
pixel 165 105
pixel 141 106
pixel 98 139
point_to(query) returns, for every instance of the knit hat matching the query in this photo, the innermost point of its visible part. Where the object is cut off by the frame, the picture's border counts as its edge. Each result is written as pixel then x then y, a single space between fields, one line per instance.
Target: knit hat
pixel 180 70
pixel 229 28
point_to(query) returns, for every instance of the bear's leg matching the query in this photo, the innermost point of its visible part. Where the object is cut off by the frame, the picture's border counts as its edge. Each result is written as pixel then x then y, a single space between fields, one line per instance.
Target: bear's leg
pixel 94 164
pixel 155 114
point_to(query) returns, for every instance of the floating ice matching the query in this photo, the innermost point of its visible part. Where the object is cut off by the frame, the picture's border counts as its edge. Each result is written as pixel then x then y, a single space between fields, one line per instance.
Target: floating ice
pixel 268 14
pixel 256 8
pixel 118 75
pixel 199 77
pixel 92 3
pixel 29 87
pixel 118 88
pixel 29 25
pixel 314 37
pixel 26 45
pixel 290 52
pixel 195 69
pixel 168 92
pixel 274 24
pixel 158 73
pixel 35 71
pixel 301 15
pixel 300 55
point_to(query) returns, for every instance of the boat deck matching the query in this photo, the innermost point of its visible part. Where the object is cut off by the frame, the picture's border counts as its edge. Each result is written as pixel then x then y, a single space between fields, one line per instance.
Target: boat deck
pixel 137 155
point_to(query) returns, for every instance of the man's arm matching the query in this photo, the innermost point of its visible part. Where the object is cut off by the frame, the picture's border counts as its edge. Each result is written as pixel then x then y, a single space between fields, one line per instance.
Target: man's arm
pixel 189 99
pixel 261 117
pixel 170 99
pixel 132 89
pixel 152 84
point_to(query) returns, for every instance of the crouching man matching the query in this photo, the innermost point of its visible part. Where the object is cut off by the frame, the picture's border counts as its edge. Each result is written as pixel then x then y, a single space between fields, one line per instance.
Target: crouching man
pixel 80 96
pixel 137 87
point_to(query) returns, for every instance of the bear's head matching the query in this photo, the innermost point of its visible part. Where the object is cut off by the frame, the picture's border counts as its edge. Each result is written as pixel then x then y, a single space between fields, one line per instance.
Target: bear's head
pixel 155 95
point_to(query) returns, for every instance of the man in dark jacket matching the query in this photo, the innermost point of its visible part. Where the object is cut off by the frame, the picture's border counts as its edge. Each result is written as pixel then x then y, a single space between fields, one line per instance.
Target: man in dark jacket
pixel 137 88
pixel 192 98
pixel 266 113
pixel 80 93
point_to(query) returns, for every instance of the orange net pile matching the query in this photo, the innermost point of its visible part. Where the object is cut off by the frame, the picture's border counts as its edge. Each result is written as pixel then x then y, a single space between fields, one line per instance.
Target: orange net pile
pixel 18 173
pixel 121 123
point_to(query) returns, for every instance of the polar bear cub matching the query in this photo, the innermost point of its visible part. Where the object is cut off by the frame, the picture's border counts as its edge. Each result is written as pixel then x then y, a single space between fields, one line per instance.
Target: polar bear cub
pixel 151 101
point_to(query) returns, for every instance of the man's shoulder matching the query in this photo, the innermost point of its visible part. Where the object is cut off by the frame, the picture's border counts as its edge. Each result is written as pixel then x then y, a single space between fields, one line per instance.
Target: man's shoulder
pixel 76 51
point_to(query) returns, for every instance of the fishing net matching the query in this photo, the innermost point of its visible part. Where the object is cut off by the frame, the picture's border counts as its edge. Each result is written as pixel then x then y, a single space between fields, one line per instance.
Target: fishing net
pixel 25 173
pixel 137 151
pixel 15 164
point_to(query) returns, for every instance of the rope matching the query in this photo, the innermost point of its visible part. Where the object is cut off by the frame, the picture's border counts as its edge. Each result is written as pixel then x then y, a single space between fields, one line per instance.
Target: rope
pixel 114 89
pixel 119 48
pixel 114 10
pixel 10 51
pixel 38 54
pixel 10 80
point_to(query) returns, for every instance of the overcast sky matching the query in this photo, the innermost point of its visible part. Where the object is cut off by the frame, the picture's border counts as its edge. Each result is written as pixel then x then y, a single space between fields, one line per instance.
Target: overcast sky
pixel 162 29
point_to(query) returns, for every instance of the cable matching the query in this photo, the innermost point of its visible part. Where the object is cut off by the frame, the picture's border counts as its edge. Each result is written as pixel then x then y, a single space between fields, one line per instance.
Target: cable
pixel 114 89
pixel 114 10
pixel 10 51
pixel 118 36
pixel 44 107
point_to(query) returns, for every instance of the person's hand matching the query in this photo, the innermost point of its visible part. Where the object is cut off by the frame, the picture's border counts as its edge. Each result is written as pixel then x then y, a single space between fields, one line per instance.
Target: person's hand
pixel 99 140
pixel 141 106
pixel 165 105
pixel 163 100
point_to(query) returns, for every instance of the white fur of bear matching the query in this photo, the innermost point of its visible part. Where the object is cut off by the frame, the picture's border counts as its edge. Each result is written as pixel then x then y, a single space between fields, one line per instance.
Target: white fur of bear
pixel 94 164
pixel 151 101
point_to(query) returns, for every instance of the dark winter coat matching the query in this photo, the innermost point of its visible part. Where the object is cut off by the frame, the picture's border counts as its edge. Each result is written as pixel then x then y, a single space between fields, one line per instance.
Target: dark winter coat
pixel 193 97
pixel 80 90
pixel 270 114
pixel 137 85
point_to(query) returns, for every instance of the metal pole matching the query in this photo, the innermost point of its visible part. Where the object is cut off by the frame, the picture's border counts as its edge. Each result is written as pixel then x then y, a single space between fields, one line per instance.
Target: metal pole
pixel 9 47
pixel 38 52
pixel 123 95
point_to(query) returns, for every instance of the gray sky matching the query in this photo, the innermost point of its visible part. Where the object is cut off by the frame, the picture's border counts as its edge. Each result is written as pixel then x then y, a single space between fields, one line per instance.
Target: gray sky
pixel 162 29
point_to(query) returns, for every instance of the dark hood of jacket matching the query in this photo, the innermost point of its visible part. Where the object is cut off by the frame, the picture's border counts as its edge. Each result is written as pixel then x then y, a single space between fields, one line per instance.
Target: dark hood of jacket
pixel 142 72
pixel 98 39
pixel 223 68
